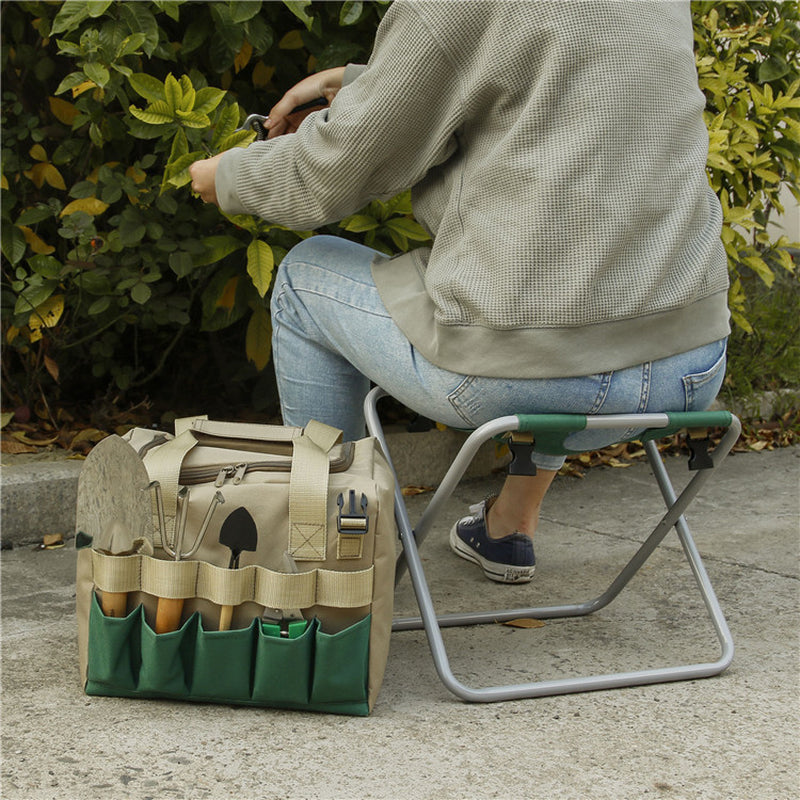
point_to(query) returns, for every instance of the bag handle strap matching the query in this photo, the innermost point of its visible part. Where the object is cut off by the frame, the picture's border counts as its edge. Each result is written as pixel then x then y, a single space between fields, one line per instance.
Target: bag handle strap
pixel 164 467
pixel 308 492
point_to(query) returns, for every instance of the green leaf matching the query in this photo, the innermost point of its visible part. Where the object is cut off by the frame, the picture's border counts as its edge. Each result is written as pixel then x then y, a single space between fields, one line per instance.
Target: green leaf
pixel 236 139
pixel 772 69
pixel 33 296
pixel 170 7
pixel 227 123
pixel 759 266
pixel 217 247
pixel 140 19
pixel 181 263
pixel 350 12
pixel 173 94
pixel 193 119
pixel 97 8
pixel 189 94
pixel 70 15
pixel 66 48
pixel 97 73
pixel 72 80
pixel 358 223
pixel 207 99
pixel 230 33
pixel 46 266
pixel 130 45
pixel 243 10
pixel 147 86
pixel 126 71
pixel 156 113
pixel 259 34
pixel 99 306
pixel 244 221
pixel 141 293
pixel 177 173
pixel 409 228
pixel 217 316
pixel 37 213
pixel 258 338
pixel 180 146
pixel 298 8
pixel 196 33
pixel 12 243
pixel 260 265
pixel 400 241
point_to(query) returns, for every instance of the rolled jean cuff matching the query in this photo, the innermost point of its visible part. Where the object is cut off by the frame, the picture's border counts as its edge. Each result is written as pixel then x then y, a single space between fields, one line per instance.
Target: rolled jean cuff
pixel 544 461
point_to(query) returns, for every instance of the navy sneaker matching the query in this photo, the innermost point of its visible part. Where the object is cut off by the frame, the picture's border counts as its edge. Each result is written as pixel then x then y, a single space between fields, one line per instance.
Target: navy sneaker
pixel 506 560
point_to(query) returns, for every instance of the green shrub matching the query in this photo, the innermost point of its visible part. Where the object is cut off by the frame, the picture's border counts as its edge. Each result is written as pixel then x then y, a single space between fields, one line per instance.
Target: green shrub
pixel 748 60
pixel 117 284
pixel 114 278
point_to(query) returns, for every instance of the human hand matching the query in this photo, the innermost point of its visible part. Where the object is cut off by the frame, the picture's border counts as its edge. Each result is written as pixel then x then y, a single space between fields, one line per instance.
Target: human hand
pixel 322 84
pixel 204 175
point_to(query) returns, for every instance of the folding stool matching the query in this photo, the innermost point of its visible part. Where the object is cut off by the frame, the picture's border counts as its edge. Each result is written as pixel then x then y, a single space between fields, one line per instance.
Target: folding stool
pixel 549 431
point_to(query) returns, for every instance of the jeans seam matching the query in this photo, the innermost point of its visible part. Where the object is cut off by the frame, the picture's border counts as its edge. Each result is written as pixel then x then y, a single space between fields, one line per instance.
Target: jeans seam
pixel 644 397
pixel 454 396
pixel 602 392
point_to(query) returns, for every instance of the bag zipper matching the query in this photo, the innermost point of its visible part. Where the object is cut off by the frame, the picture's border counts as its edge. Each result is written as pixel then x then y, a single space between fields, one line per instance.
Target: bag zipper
pixel 222 473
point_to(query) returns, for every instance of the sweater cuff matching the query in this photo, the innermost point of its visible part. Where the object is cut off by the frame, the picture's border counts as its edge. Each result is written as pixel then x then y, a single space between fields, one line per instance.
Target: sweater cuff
pixel 351 72
pixel 225 182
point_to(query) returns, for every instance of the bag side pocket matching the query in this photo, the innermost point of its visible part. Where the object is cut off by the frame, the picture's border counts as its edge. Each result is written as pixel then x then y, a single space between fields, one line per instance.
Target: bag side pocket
pixel 282 673
pixel 223 664
pixel 114 657
pixel 341 665
pixel 167 660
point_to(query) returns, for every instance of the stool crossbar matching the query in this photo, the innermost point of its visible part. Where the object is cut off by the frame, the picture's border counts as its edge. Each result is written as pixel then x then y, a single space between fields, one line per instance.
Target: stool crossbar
pixel 550 431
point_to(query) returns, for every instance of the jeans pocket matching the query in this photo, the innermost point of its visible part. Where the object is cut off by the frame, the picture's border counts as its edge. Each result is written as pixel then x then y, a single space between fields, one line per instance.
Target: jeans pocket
pixel 700 388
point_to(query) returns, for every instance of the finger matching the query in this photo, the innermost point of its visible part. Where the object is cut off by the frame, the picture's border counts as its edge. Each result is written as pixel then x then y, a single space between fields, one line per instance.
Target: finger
pixel 277 128
pixel 283 107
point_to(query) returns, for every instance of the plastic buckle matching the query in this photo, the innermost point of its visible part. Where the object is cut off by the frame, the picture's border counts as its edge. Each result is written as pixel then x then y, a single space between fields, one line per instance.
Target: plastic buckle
pixel 698 441
pixel 521 447
pixel 352 522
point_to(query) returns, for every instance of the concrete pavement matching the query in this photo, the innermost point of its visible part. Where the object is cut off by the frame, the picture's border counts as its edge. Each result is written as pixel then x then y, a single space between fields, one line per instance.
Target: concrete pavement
pixel 733 736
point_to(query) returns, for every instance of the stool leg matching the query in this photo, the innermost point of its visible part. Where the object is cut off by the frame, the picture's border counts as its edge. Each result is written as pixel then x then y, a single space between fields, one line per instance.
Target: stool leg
pixel 676 504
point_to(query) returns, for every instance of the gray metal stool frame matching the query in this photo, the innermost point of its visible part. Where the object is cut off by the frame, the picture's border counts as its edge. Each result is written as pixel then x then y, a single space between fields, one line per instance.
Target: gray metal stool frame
pixel 549 430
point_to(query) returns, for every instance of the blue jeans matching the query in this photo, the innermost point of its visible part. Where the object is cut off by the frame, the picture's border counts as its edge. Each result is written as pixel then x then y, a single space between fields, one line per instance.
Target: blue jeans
pixel 332 335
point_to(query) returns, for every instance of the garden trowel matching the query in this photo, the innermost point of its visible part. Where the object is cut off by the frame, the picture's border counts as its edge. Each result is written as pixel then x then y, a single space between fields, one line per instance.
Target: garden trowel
pixel 114 507
pixel 238 533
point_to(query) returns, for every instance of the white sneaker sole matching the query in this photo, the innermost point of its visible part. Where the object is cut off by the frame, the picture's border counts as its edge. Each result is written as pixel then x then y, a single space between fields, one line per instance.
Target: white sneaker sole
pixel 500 573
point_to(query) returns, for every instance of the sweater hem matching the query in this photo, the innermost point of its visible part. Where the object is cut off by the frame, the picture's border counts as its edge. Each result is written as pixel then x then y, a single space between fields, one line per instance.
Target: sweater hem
pixel 555 352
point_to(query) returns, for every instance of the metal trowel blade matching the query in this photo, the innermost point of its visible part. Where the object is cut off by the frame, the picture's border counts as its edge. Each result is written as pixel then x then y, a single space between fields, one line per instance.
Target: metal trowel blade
pixel 114 505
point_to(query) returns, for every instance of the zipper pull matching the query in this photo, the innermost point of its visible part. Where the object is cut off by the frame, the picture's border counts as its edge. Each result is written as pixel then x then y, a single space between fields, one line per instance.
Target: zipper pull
pixel 241 469
pixel 223 475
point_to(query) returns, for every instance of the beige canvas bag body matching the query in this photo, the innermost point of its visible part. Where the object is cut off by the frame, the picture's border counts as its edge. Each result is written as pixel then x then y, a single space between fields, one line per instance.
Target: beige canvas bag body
pixel 299 617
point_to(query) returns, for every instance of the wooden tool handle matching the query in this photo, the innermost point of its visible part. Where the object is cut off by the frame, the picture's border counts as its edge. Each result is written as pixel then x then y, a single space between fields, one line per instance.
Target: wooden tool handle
pixel 114 604
pixel 225 614
pixel 168 614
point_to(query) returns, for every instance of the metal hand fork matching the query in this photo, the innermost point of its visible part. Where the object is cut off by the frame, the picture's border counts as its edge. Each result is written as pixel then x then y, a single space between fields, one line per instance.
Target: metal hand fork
pixel 170 609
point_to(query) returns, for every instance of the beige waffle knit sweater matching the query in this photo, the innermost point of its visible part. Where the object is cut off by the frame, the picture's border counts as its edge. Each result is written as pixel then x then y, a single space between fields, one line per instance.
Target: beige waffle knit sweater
pixel 556 152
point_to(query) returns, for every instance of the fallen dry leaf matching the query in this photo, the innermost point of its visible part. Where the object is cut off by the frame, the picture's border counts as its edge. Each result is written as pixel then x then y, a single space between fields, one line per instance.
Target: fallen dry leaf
pixel 410 491
pixel 15 448
pixel 525 622
pixel 21 436
pixel 50 541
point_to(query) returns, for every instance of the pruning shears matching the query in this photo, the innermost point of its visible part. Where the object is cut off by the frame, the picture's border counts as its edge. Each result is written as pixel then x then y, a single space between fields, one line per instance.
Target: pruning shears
pixel 256 121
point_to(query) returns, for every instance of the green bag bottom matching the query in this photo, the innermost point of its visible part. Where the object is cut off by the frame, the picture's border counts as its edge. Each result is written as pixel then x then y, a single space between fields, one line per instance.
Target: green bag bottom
pixel 253 666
